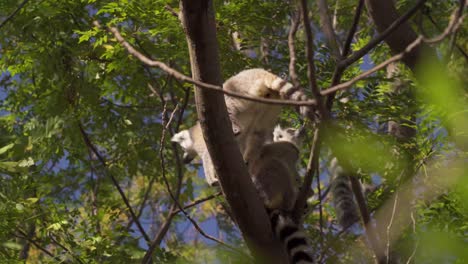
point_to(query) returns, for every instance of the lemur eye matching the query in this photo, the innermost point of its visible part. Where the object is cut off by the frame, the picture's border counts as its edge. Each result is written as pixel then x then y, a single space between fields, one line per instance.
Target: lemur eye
pixel 267 95
pixel 280 136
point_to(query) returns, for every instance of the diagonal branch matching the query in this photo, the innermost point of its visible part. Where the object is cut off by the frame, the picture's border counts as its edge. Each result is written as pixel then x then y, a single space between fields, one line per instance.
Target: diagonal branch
pixel 13 13
pixel 420 40
pixel 338 72
pixel 352 30
pixel 311 75
pixel 147 257
pixel 197 202
pixel 35 243
pixel 375 41
pixel 327 28
pixel 295 21
pixel 101 159
pixel 174 73
pixel 306 186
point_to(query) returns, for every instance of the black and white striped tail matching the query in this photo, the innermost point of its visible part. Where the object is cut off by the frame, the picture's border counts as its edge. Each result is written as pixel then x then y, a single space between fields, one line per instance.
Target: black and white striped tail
pixel 288 91
pixel 293 239
pixel 343 196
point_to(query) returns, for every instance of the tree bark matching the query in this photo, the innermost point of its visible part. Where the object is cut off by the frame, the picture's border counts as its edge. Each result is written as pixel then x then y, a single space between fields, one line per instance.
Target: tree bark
pixel 384 13
pixel 249 213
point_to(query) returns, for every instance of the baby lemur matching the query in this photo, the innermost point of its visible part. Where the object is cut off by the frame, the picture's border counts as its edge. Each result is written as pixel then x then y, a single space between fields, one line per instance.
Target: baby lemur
pixel 274 175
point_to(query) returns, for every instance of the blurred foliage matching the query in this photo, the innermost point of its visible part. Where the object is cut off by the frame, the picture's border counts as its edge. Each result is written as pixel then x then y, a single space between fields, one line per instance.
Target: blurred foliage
pixel 59 72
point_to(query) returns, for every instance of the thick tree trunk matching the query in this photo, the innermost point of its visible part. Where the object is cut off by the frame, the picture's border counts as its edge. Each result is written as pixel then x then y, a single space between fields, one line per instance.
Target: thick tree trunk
pixel 384 13
pixel 248 210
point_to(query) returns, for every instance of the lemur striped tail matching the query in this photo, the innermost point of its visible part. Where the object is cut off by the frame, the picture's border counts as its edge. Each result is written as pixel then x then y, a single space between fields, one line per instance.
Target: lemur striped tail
pixel 343 197
pixel 293 239
pixel 289 92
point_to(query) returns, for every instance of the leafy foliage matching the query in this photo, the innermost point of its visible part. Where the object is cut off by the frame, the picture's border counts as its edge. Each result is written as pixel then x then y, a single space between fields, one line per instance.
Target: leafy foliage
pixel 67 87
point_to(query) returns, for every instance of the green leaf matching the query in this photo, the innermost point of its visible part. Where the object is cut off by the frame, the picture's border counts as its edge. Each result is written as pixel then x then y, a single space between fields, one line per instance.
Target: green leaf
pixel 6 148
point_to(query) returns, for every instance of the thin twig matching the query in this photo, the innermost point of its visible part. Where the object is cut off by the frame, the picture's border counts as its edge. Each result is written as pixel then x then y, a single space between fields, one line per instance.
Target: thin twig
pixel 365 214
pixel 90 145
pixel 77 258
pixel 310 58
pixel 460 49
pixel 417 242
pixel 389 226
pixel 319 191
pixel 352 30
pixel 172 116
pixel 309 175
pixel 375 41
pixel 13 13
pixel 327 29
pixel 338 72
pixel 175 200
pixel 159 235
pixel 165 226
pixel 453 26
pixel 295 21
pixel 35 243
pixel 172 72
pixel 197 202
pixel 171 10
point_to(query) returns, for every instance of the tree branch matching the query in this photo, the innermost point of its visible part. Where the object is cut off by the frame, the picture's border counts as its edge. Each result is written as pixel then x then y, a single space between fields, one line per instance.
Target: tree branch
pixel 352 30
pixel 295 21
pixel 451 28
pixel 338 72
pixel 147 257
pixel 197 202
pixel 218 88
pixel 101 159
pixel 35 243
pixel 310 58
pixel 246 206
pixel 77 258
pixel 396 24
pixel 327 28
pixel 13 13
pixel 309 175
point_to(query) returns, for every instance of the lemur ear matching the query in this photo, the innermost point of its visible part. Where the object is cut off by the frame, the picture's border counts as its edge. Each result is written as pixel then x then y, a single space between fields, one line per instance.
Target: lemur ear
pixel 277 129
pixel 181 136
pixel 300 132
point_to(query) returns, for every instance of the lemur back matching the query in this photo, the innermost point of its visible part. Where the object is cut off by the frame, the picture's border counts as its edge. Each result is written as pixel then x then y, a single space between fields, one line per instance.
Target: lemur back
pixel 253 121
pixel 274 176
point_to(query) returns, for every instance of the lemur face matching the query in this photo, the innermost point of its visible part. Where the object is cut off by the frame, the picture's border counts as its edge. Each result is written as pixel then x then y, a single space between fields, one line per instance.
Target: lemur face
pixel 288 134
pixel 184 139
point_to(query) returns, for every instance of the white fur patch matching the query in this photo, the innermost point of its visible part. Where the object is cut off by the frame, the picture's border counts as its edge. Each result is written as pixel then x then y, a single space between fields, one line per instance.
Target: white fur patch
pixel 288 135
pixel 184 139
pixel 277 84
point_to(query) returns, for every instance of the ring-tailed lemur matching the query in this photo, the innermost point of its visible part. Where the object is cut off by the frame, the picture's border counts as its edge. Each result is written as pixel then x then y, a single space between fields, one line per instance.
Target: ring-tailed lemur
pixel 343 196
pixel 252 122
pixel 274 176
pixel 192 142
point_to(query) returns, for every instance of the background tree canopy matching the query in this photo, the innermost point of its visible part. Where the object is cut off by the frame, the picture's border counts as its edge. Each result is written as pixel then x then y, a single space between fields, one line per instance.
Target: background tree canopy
pixel 86 162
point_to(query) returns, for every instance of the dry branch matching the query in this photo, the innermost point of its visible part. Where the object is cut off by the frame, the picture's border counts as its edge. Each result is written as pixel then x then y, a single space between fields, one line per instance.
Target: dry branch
pixel 146 259
pixel 101 159
pixel 453 26
pixel 311 74
pixel 174 73
pixel 295 21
